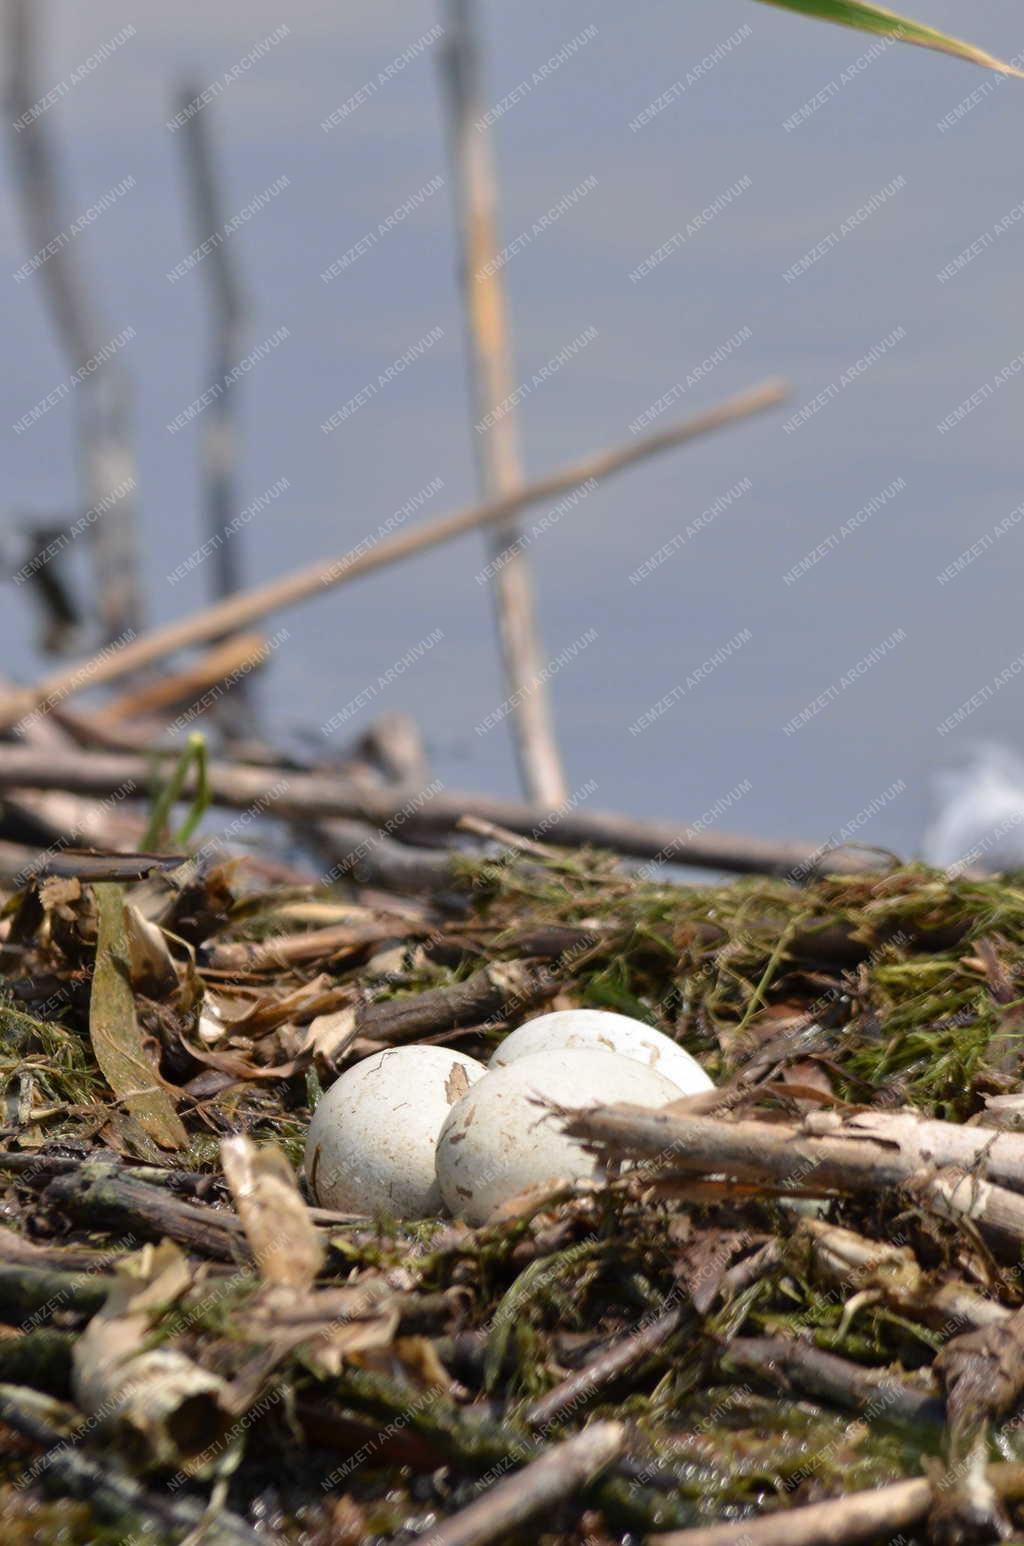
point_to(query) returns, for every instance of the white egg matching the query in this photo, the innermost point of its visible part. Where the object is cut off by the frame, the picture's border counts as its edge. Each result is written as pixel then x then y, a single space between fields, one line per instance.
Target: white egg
pixel 370 1146
pixel 497 1141
pixel 611 1033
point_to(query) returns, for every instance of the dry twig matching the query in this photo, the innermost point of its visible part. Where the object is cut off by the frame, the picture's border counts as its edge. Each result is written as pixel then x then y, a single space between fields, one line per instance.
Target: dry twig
pixel 537 1488
pixel 239 611
pixel 304 797
pixel 497 447
pixel 103 396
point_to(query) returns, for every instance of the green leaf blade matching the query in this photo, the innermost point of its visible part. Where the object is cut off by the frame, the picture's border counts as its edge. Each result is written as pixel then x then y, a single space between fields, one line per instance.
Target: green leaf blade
pixel 194 751
pixel 884 23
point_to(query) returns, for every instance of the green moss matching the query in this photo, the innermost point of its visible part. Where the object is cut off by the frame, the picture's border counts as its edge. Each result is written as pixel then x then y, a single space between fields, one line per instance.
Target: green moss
pixel 880 965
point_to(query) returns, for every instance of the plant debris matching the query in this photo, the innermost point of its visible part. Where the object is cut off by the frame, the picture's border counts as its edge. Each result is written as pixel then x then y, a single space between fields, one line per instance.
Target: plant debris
pixel 677 1350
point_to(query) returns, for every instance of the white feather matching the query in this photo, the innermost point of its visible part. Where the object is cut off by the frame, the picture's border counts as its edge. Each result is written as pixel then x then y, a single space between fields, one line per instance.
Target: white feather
pixel 980 823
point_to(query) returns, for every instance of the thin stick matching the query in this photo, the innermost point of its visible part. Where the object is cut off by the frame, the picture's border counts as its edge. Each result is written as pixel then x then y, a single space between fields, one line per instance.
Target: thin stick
pixel 19 864
pixel 499 464
pixel 523 845
pixel 232 658
pixel 219 439
pixel 864 1516
pixel 286 950
pixel 61 819
pixel 609 1365
pixel 368 857
pixel 535 1490
pixel 304 797
pixel 219 433
pixel 848 1521
pixel 847 1260
pixel 846 1160
pixel 239 611
pixel 102 396
pixel 790 1364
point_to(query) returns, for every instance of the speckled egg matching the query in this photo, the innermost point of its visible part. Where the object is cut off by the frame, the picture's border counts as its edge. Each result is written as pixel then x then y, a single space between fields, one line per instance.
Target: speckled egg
pixel 370 1146
pixel 497 1142
pixel 596 1028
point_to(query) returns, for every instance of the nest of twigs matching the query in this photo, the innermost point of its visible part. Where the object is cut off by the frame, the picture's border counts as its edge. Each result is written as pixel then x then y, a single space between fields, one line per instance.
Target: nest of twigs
pixel 190 1345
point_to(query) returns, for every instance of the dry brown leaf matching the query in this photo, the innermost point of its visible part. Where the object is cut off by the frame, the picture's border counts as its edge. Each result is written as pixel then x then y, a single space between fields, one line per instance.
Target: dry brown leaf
pixel 239 1065
pixel 277 1225
pixel 274 1009
pixel 120 1131
pixel 167 1406
pixel 152 967
pixel 339 1341
pixel 418 1357
pixel 57 891
pixel 328 1036
pixel 114 1030
pixel 331 1326
pixel 531 1198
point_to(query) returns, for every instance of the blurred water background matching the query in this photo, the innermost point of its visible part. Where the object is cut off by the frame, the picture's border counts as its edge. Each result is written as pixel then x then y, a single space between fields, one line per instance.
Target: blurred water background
pixel 862 171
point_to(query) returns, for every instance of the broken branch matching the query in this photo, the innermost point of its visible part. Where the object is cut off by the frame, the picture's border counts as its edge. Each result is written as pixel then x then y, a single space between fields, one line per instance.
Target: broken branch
pixel 238 611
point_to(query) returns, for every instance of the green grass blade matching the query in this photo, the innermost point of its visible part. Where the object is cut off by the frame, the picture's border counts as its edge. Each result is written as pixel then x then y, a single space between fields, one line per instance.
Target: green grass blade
pixel 874 18
pixel 201 798
pixel 194 751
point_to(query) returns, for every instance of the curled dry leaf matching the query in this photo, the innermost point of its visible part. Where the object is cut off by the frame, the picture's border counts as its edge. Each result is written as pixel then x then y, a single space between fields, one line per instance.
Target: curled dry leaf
pixel 166 1407
pixel 152 967
pixel 331 1327
pixel 274 1008
pixel 282 1236
pixel 329 1036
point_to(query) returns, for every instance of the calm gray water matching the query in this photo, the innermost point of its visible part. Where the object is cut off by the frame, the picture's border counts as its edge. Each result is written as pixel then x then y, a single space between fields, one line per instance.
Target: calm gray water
pixel 818 255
